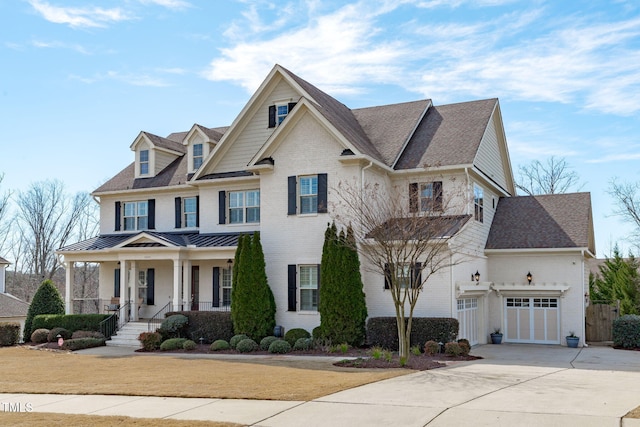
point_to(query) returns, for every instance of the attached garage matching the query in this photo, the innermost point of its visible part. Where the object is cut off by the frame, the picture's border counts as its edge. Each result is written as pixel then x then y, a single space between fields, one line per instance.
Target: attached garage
pixel 532 320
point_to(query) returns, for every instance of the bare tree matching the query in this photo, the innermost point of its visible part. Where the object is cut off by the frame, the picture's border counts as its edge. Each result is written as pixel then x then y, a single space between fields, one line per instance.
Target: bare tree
pixel 405 241
pixel 553 177
pixel 49 219
pixel 5 222
pixel 627 204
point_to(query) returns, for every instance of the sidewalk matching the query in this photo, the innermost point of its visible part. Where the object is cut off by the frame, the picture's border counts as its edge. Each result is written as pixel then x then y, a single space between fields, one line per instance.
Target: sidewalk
pixel 513 385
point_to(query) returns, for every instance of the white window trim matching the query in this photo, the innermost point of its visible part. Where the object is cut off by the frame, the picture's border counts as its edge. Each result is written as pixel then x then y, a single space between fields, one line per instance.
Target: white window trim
pixel 135 216
pixel 310 195
pixel 194 157
pixel 313 278
pixel 244 207
pixel 147 162
pixel 478 207
pixel 194 213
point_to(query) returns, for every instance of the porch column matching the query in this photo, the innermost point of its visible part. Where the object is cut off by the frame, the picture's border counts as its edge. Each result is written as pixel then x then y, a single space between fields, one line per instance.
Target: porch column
pixel 186 285
pixel 123 289
pixel 176 284
pixel 134 292
pixel 68 287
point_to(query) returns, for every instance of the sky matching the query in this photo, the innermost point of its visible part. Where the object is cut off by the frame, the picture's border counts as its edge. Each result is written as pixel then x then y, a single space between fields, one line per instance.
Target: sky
pixel 80 79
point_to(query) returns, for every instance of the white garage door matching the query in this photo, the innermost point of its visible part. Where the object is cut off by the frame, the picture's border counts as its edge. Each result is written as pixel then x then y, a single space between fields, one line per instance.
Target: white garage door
pixel 532 320
pixel 468 319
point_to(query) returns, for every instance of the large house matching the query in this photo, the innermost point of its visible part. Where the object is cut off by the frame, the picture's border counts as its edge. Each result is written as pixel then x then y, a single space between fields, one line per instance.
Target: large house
pixel 12 309
pixel 170 221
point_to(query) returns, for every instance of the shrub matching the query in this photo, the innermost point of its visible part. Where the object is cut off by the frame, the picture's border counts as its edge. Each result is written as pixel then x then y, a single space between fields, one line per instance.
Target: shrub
pixel 9 333
pixel 86 334
pixel 464 348
pixel 317 334
pixel 247 345
pixel 71 322
pixel 293 335
pixel 172 344
pixel 233 342
pixel 376 352
pixel 431 347
pixel 280 347
pixel 150 340
pixel 303 344
pixel 415 350
pixel 209 325
pixel 383 331
pixel 452 349
pixel 174 326
pixel 626 331
pixel 53 334
pixel 464 340
pixel 218 345
pixel 189 345
pixel 266 342
pixel 40 336
pixel 46 300
pixel 82 343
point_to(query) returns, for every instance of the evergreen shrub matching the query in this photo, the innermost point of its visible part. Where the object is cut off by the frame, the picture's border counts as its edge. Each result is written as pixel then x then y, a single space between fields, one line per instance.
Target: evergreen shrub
pixel 150 340
pixel 209 325
pixel 174 326
pixel 189 345
pixel 303 344
pixel 280 347
pixel 40 336
pixel 218 345
pixel 247 346
pixel 71 322
pixel 293 335
pixel 9 333
pixel 383 331
pixel 266 342
pixel 82 343
pixel 46 300
pixel 172 344
pixel 626 331
pixel 53 334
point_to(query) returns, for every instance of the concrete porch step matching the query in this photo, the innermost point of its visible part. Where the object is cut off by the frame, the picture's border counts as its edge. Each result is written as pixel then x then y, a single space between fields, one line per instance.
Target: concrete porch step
pixel 127 336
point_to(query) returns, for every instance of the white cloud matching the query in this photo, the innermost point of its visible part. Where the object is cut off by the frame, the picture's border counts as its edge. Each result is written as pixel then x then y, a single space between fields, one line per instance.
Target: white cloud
pixel 169 4
pixel 59 45
pixel 77 17
pixel 126 78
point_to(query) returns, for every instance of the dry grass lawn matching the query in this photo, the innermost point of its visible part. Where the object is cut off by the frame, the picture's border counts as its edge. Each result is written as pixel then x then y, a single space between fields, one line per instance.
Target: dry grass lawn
pixel 44 419
pixel 37 371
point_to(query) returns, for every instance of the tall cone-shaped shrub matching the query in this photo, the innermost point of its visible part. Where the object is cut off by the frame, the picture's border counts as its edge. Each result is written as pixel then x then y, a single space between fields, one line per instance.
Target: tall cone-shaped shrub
pixel 342 306
pixel 46 300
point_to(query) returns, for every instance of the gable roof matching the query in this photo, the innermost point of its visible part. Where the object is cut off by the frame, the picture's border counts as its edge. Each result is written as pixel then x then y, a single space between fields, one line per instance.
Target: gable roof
pixel 448 135
pixel 11 306
pixel 174 174
pixel 4 261
pixel 164 143
pixel 543 222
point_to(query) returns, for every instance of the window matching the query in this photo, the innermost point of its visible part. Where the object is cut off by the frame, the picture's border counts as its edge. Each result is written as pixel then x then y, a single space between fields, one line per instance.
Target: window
pixel 142 285
pixel 308 194
pixel 425 196
pixel 197 156
pixel 144 162
pixel 244 206
pixel 227 274
pixel 135 215
pixel 281 113
pixel 478 201
pixel 278 112
pixel 190 211
pixel 309 288
pixel 403 275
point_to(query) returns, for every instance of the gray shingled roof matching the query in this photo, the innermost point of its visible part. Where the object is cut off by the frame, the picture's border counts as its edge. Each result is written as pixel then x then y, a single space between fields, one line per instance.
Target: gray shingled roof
pixel 11 306
pixel 169 144
pixel 543 222
pixel 204 240
pixel 448 135
pixel 174 174
pixel 428 227
pixel 4 261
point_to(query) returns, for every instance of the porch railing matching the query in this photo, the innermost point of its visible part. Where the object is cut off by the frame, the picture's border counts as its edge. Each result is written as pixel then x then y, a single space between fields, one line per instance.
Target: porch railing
pixel 109 326
pixel 156 319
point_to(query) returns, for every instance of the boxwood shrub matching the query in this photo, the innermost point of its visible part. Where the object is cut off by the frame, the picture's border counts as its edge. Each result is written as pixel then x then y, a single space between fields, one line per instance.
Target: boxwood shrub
pixel 172 344
pixel 210 325
pixel 279 346
pixel 383 331
pixel 9 333
pixel 70 322
pixel 82 343
pixel 233 342
pixel 189 345
pixel 247 346
pixel 218 345
pixel 266 342
pixel 626 331
pixel 40 336
pixel 293 335
pixel 174 326
pixel 53 334
pixel 303 344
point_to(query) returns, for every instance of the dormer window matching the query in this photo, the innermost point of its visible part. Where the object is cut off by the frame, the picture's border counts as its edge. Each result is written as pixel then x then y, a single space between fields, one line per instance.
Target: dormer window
pixel 278 112
pixel 144 162
pixel 197 156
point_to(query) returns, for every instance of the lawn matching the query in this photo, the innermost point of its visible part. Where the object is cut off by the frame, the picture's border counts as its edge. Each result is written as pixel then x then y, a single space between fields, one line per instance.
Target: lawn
pixel 39 371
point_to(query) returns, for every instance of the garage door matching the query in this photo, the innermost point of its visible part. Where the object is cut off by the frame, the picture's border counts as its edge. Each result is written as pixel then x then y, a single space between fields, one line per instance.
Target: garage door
pixel 468 319
pixel 532 320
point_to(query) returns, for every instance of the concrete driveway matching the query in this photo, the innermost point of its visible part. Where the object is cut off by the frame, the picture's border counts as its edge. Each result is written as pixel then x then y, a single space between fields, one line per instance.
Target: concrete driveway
pixel 514 385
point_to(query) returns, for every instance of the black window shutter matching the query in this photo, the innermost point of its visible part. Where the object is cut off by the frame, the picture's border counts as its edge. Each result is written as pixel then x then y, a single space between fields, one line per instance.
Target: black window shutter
pixel 197 211
pixel 416 276
pixel 291 287
pixel 178 212
pixel 216 286
pixel 272 116
pixel 116 283
pixel 437 195
pixel 118 215
pixel 222 207
pixel 387 276
pixel 322 193
pixel 290 106
pixel 292 193
pixel 151 218
pixel 151 281
pixel 413 197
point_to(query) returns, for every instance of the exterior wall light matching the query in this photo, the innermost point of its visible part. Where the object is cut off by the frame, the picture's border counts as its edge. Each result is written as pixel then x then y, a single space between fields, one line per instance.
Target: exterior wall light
pixel 477 276
pixel 529 277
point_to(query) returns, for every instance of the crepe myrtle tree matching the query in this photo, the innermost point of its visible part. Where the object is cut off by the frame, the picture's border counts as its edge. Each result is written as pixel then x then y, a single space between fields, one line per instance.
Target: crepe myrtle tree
pixel 407 234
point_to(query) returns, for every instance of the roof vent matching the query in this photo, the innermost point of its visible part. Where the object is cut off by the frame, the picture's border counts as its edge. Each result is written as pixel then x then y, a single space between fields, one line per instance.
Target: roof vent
pixel 347 152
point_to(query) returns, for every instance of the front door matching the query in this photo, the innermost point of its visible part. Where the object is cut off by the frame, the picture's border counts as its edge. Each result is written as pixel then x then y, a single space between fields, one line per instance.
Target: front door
pixel 195 288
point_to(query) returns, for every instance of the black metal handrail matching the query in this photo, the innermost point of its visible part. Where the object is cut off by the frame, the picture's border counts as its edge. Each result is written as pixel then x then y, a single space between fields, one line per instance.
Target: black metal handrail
pixel 157 318
pixel 109 326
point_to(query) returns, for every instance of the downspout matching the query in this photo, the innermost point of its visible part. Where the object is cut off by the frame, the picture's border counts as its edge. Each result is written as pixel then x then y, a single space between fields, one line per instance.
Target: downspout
pixel 466 172
pixel 584 303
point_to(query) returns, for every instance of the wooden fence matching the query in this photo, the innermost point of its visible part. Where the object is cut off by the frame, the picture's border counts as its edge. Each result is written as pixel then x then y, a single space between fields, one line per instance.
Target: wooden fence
pixel 599 322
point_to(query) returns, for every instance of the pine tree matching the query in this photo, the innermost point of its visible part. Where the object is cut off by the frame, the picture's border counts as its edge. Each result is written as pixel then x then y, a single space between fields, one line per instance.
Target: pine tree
pixel 342 306
pixel 618 279
pixel 263 301
pixel 46 300
pixel 237 284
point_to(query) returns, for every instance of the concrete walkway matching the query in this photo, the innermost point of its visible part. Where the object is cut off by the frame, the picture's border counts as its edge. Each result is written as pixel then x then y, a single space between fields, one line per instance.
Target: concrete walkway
pixel 514 385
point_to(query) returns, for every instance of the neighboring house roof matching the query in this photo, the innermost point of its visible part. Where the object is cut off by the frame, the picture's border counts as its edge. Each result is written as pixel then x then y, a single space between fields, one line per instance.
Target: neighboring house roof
pixel 543 222
pixel 431 227
pixel 448 135
pixel 204 240
pixel 11 306
pixel 4 261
